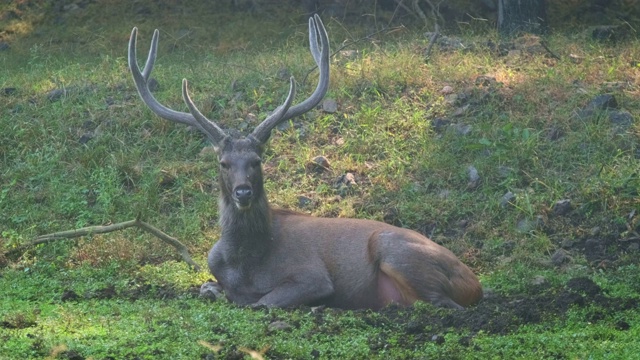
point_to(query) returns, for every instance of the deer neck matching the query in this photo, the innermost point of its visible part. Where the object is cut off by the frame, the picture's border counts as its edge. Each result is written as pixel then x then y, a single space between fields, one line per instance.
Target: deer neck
pixel 250 229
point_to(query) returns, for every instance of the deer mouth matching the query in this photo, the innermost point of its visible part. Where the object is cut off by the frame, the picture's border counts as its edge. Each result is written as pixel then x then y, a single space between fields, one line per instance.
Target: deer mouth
pixel 242 205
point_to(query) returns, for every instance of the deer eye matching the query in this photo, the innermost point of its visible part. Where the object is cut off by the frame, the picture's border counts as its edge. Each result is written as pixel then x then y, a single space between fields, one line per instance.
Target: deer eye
pixel 256 163
pixel 224 165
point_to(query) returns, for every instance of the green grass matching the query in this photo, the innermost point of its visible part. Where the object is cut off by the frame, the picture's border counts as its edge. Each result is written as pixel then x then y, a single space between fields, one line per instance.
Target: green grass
pixel 408 172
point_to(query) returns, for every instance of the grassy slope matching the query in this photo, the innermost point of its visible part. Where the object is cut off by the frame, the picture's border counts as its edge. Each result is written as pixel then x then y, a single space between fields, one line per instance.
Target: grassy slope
pixel 139 164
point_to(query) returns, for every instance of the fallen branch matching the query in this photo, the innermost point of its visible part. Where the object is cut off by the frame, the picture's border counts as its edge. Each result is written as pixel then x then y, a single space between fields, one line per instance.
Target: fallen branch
pixel 102 229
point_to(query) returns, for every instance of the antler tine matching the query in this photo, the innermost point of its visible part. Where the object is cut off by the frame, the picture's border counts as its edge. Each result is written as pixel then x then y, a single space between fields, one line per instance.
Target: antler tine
pixel 321 57
pixel 207 126
pixel 151 58
pixel 320 53
pixel 212 131
pixel 263 131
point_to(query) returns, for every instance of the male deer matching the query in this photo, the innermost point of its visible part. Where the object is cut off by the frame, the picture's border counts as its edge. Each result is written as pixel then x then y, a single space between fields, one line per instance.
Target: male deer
pixel 281 258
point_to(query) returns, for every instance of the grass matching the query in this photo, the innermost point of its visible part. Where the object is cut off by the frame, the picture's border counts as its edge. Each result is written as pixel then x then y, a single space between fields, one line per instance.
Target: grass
pixel 134 300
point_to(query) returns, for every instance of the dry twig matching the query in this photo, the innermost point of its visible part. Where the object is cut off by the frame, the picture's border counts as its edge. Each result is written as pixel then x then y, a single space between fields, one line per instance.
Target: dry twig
pixel 102 229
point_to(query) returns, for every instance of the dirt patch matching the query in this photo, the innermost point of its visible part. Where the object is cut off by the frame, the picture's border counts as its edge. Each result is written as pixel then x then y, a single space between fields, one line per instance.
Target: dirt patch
pixel 501 315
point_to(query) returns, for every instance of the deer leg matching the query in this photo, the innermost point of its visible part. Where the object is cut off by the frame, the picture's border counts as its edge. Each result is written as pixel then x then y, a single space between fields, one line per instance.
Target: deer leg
pixel 306 289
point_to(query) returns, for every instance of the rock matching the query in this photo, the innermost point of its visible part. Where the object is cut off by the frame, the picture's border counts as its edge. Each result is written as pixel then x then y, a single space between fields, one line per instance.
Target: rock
pixel 474 177
pixel 211 290
pixel 505 171
pixel 443 194
pixel 278 325
pixel 438 339
pixel 86 137
pixel 538 280
pixel 319 163
pixel 304 201
pixel 56 94
pixel 507 199
pixel 599 103
pixel 349 179
pixel 461 110
pixel 621 119
pixel 329 106
pixel 463 129
pixel 576 59
pixel 447 90
pixel 4 46
pixel 528 225
pixel 559 257
pixel 633 247
pixel 561 207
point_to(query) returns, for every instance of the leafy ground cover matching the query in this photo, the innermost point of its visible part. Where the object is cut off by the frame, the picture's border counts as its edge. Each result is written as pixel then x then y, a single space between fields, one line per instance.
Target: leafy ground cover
pixel 525 165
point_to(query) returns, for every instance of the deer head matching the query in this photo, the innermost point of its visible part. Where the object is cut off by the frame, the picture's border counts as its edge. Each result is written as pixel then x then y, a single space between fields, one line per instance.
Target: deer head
pixel 239 158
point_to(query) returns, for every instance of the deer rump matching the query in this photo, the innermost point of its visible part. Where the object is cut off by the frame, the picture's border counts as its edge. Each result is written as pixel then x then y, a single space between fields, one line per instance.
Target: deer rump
pixel 344 263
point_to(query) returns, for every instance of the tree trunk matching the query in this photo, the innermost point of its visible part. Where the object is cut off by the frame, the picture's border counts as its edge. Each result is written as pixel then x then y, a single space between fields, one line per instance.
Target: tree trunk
pixel 519 16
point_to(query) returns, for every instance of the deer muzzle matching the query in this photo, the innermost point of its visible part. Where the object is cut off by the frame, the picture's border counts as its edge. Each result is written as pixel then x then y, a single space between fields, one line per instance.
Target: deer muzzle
pixel 242 195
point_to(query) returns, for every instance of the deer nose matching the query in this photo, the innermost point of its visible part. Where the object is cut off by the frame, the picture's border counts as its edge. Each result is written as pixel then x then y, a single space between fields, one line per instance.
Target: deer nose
pixel 243 193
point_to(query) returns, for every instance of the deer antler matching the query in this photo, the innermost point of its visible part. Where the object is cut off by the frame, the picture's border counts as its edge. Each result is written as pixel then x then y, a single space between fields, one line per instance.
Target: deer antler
pixel 284 112
pixel 206 126
pixel 320 54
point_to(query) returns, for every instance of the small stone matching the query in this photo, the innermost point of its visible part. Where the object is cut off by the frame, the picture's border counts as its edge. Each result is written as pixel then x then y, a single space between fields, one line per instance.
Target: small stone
pixel 438 339
pixel 321 161
pixel 86 137
pixel 304 201
pixel 329 106
pixel 349 179
pixel 559 257
pixel 56 94
pixel 538 280
pixel 474 177
pixel 211 290
pixel 460 111
pixel 278 325
pixel 576 59
pixel 447 90
pixel 562 207
pixel 4 46
pixel 634 247
pixel 621 119
pixel 507 199
pixel 528 225
pixel 463 129
pixel 598 103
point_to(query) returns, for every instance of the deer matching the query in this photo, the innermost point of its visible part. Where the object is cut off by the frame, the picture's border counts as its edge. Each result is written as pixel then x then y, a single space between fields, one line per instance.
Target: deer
pixel 270 257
